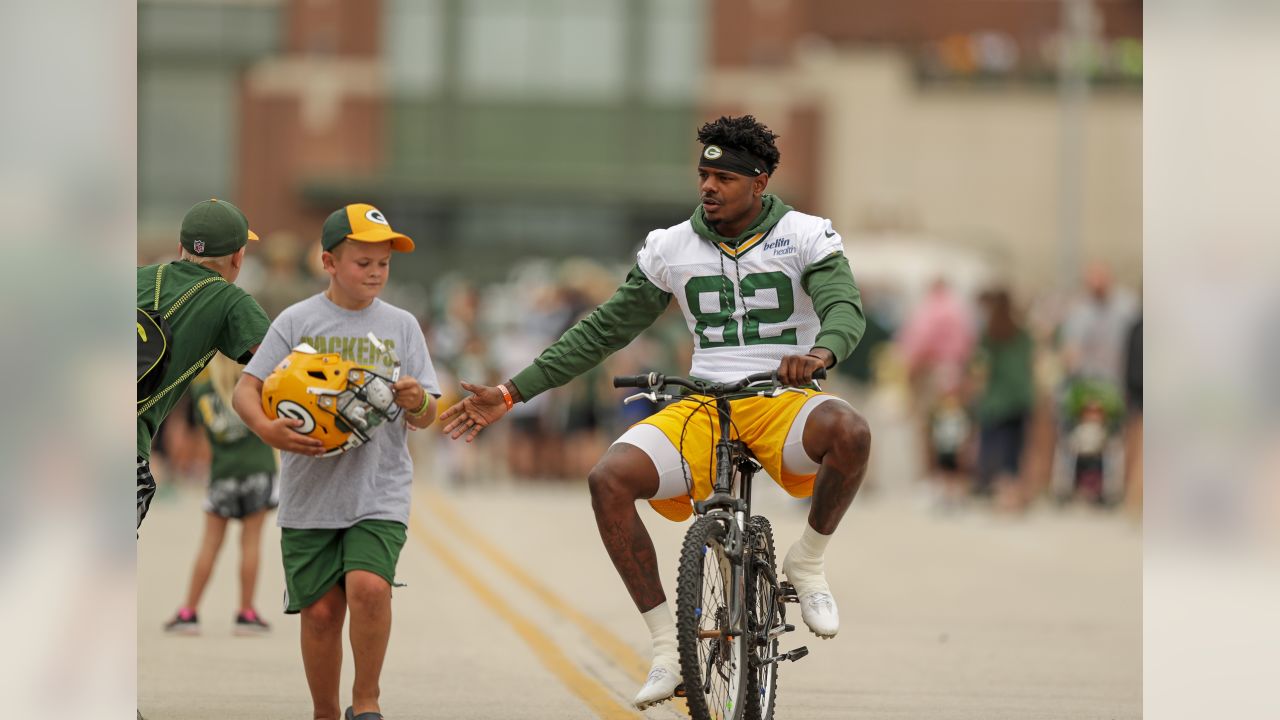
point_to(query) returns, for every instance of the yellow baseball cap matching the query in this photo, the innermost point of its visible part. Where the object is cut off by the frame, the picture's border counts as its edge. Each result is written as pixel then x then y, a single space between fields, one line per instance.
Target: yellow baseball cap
pixel 363 223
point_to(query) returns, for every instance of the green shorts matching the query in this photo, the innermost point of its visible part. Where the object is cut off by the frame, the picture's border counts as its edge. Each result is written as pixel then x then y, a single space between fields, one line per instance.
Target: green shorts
pixel 317 559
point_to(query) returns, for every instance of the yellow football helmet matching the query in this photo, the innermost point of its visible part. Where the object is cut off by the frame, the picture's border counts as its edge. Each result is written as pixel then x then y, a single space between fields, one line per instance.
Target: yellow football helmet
pixel 338 401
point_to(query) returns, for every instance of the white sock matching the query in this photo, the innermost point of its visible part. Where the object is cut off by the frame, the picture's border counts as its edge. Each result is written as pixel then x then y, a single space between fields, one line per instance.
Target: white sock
pixel 662 629
pixel 804 566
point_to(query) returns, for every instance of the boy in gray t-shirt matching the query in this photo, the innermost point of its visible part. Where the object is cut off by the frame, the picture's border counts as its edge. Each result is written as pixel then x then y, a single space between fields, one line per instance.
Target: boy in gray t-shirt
pixel 344 519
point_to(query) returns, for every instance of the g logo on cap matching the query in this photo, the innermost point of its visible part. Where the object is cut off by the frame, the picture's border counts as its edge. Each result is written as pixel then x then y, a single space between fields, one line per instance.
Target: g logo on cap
pixel 375 215
pixel 712 152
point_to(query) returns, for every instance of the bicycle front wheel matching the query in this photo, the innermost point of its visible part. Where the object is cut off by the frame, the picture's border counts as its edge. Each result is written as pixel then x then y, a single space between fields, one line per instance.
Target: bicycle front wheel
pixel 713 656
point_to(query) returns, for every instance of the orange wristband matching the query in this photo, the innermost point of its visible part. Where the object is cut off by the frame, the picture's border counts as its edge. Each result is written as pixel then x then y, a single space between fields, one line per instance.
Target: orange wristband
pixel 506 396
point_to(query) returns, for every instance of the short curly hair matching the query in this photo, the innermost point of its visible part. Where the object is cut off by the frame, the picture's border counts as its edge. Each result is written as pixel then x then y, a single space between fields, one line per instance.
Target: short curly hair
pixel 743 133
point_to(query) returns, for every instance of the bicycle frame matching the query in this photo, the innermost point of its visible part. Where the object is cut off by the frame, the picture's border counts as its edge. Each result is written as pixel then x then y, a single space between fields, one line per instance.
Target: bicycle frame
pixel 732 456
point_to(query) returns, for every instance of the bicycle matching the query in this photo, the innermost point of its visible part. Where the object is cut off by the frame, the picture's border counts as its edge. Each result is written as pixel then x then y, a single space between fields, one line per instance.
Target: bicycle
pixel 730 609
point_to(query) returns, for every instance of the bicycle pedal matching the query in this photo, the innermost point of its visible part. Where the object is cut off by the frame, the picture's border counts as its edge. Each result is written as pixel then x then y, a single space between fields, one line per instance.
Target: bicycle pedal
pixel 787 593
pixel 793 656
pixel 778 630
pixel 680 691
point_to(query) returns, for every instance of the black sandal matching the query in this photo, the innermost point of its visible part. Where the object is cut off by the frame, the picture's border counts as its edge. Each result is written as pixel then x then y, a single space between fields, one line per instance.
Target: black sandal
pixel 351 715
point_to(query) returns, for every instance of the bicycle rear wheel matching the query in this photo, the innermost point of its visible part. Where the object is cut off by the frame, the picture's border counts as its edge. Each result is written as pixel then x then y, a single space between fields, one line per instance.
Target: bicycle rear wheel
pixel 713 662
pixel 764 616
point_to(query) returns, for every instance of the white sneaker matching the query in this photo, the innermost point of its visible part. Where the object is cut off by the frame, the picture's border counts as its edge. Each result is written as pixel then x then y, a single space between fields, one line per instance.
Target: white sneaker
pixel 818 610
pixel 658 687
pixel 817 606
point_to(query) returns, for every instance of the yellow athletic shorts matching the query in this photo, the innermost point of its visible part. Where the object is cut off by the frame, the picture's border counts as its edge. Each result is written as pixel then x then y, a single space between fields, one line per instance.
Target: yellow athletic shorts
pixel 760 422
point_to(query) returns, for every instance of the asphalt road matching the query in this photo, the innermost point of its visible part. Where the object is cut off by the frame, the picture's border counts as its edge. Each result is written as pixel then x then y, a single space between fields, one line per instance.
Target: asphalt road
pixel 513 610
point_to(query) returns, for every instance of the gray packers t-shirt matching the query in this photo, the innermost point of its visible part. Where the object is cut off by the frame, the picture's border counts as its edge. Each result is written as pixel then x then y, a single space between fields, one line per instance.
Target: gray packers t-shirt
pixel 373 481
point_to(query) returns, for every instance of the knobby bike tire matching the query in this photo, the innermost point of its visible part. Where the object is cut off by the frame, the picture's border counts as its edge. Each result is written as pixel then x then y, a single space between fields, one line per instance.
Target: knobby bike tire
pixel 762 681
pixel 704 536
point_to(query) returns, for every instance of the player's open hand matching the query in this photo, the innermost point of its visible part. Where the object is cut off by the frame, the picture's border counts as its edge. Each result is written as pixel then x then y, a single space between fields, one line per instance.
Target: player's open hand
pixel 472 414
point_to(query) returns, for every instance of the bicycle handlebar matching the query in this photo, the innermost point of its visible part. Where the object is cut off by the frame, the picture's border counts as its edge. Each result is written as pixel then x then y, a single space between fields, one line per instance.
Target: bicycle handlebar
pixel 656 381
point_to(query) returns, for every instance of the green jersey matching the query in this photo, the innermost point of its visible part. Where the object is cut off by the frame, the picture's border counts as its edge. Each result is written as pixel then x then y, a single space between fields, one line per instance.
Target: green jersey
pixel 236 451
pixel 220 317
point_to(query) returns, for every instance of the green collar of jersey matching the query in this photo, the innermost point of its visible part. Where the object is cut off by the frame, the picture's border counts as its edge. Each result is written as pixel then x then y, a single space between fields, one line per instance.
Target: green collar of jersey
pixel 734 247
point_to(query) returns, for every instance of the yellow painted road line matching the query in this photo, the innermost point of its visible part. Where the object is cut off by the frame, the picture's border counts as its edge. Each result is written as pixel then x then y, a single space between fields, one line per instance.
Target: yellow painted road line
pixel 591 692
pixel 620 652
pixel 622 655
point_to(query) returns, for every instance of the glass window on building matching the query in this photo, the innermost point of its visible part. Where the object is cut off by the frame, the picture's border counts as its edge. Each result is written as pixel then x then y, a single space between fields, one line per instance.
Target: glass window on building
pixel 413 48
pixel 553 49
pixel 676 48
pixel 186 131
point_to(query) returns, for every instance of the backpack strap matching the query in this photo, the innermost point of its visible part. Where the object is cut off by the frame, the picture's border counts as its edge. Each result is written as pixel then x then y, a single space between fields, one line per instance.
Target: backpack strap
pixel 159 275
pixel 181 379
pixel 182 299
pixel 191 291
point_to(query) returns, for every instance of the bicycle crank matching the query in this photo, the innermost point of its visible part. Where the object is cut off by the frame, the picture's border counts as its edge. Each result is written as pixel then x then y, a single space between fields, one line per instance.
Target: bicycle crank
pixel 787 593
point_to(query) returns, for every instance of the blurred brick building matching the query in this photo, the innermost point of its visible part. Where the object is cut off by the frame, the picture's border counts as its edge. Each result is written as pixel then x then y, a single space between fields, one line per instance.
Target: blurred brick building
pixel 498 130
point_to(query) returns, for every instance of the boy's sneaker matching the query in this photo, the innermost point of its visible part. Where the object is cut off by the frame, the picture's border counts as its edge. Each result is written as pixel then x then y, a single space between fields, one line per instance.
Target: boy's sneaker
pixel 248 623
pixel 184 623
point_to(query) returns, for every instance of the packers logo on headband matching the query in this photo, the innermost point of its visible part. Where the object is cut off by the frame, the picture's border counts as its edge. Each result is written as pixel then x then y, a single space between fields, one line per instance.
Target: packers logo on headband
pixel 712 152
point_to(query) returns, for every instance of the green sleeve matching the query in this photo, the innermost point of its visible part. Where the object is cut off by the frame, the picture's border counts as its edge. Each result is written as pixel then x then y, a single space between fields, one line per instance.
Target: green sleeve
pixel 838 303
pixel 634 307
pixel 245 325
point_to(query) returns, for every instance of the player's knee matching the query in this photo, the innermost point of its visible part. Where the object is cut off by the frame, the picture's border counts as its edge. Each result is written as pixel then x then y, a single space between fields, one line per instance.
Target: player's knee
pixel 607 485
pixel 853 437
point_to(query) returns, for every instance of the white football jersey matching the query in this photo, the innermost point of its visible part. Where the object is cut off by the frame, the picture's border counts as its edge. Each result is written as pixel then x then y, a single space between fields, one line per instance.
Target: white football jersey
pixel 745 308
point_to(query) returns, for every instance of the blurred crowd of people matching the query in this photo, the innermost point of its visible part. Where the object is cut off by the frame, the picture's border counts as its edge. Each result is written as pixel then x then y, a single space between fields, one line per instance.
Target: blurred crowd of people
pixel 1017 401
pixel 988 398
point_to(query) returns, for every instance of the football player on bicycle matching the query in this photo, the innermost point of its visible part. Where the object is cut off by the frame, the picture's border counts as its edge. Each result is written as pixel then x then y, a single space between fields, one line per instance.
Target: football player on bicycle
pixel 762 287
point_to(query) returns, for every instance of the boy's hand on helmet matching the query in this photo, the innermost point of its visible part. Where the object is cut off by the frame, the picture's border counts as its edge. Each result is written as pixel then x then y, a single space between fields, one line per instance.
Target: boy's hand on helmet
pixel 281 435
pixel 409 393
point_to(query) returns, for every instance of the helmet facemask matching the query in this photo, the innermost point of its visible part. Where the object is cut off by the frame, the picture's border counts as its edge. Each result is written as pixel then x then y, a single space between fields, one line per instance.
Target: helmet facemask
pixel 367 402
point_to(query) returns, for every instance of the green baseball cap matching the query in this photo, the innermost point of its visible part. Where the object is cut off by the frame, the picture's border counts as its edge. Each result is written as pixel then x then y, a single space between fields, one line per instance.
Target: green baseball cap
pixel 361 222
pixel 215 228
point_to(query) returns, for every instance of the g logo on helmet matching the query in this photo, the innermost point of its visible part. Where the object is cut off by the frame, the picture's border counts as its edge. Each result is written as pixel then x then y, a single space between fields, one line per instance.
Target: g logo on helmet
pixel 375 215
pixel 294 411
pixel 328 395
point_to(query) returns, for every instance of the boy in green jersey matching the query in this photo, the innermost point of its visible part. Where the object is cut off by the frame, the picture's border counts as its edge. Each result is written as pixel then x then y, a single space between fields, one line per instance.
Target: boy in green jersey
pixel 207 314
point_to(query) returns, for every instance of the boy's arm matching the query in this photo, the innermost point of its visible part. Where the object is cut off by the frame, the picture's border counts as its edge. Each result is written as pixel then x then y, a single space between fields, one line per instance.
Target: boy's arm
pixel 427 416
pixel 278 433
pixel 411 395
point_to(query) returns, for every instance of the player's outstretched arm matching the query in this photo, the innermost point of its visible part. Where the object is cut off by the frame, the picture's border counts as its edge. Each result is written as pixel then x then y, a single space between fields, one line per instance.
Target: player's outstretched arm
pixel 485 406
